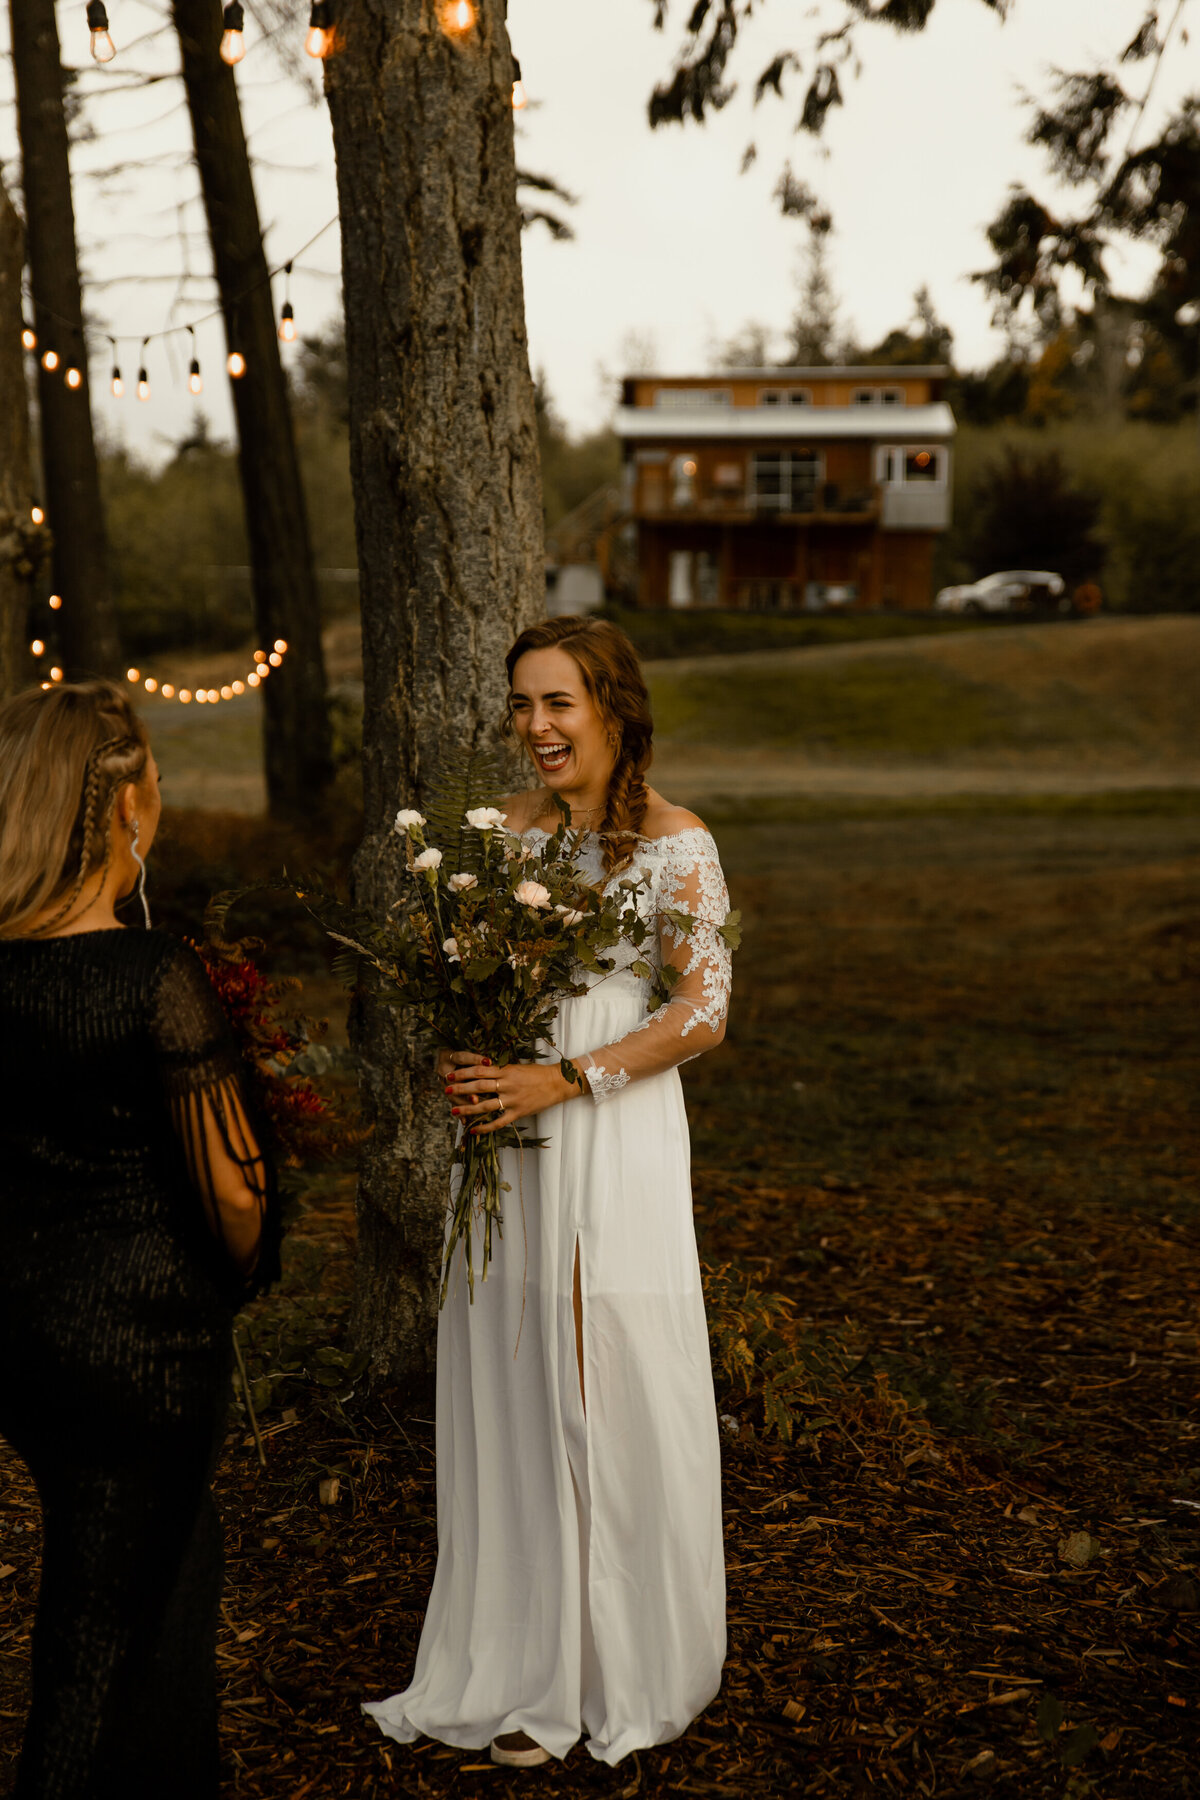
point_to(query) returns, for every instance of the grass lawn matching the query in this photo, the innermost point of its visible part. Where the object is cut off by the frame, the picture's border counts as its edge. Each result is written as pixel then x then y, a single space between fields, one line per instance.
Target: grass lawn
pixel 954 1127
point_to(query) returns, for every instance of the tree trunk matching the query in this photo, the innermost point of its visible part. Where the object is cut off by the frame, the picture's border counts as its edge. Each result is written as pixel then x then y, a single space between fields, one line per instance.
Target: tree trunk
pixel 444 461
pixel 88 621
pixel 21 541
pixel 297 745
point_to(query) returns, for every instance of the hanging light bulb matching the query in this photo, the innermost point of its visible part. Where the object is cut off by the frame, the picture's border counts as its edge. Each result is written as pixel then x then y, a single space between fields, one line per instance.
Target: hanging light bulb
pixel 37 648
pixel 287 323
pixel 150 685
pixel 133 675
pixel 29 337
pixel 73 378
pixel 319 41
pixel 37 515
pixel 117 385
pixel 143 384
pixel 235 365
pixel 195 379
pixel 103 48
pixel 54 602
pixel 233 44
pixel 50 360
pixel 520 98
pixel 56 674
pixel 168 692
pixel 281 646
pixel 458 16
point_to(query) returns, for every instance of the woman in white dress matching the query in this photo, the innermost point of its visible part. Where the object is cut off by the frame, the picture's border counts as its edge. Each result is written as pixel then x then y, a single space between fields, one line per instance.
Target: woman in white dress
pixel 580 1580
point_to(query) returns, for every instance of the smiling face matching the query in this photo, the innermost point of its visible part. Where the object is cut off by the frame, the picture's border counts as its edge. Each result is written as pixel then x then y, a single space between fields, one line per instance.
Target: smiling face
pixel 558 721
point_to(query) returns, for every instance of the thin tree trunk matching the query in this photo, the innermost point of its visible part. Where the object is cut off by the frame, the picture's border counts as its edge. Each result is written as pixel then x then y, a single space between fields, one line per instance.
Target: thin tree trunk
pixel 21 542
pixel 444 460
pixel 297 743
pixel 88 621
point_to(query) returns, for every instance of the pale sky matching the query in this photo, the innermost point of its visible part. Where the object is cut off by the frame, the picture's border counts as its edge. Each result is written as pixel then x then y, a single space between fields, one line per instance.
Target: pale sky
pixel 672 243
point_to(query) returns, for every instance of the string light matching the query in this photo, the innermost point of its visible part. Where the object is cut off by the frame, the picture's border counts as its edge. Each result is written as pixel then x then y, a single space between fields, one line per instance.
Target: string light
pixel 150 685
pixel 233 44
pixel 195 380
pixel 37 648
pixel 458 16
pixel 37 515
pixel 115 383
pixel 319 41
pixel 50 360
pixel 133 675
pixel 54 602
pixel 73 378
pixel 103 48
pixel 56 674
pixel 28 337
pixel 520 98
pixel 281 646
pixel 235 365
pixel 287 317
pixel 143 380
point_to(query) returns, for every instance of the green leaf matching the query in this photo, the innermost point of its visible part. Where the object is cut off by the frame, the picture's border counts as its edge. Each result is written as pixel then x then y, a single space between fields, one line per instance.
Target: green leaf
pixel 731 930
pixel 482 967
pixel 641 968
pixel 1049 1718
pixel 467 779
pixel 1081 1742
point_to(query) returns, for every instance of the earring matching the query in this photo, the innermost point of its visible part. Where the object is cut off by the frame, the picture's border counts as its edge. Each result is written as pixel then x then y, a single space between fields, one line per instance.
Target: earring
pixel 141 886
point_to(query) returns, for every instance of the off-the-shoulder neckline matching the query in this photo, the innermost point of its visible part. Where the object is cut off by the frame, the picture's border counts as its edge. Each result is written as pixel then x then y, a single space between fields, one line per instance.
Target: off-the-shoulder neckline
pixel 665 837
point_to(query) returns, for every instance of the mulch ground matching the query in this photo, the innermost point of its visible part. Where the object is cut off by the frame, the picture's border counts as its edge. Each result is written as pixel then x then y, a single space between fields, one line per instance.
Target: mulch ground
pixel 976 1564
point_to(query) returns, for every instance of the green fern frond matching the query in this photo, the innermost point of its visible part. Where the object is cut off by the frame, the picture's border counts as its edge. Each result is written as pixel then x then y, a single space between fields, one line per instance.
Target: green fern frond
pixel 468 779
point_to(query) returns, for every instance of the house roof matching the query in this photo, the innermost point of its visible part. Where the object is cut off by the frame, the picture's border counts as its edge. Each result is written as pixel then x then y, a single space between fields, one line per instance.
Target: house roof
pixel 691 424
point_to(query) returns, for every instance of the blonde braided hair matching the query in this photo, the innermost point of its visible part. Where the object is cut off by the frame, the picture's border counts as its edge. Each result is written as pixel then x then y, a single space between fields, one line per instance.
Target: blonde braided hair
pixel 65 754
pixel 612 676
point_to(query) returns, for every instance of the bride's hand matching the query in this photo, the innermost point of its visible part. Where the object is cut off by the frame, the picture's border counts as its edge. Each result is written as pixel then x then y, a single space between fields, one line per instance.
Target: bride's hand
pixel 488 1098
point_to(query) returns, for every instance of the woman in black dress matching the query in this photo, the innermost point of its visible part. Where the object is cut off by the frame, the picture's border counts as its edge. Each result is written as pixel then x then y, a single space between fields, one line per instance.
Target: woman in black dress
pixel 136 1212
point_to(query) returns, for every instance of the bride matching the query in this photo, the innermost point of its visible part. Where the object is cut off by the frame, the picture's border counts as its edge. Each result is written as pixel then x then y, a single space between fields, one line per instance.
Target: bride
pixel 580 1580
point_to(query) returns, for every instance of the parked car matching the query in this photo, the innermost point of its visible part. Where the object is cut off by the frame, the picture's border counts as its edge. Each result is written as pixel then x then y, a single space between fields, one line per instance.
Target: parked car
pixel 1011 591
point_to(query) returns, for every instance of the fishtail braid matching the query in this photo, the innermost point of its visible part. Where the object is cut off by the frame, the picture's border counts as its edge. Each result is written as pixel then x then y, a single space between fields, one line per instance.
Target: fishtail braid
pixel 90 823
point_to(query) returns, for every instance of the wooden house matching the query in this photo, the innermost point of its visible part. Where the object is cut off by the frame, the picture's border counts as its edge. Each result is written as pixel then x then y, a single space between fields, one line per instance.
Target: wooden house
pixel 787 488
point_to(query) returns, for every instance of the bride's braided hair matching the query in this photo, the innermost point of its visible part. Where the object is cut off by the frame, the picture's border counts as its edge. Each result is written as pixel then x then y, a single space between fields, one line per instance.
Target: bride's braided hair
pixel 65 754
pixel 612 676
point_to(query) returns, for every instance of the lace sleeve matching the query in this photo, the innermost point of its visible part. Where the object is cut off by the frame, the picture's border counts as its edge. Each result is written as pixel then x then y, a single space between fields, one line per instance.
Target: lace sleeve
pixel 203 1081
pixel 693 1019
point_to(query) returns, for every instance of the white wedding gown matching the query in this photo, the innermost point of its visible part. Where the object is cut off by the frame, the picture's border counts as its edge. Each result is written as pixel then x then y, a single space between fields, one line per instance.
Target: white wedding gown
pixel 580 1579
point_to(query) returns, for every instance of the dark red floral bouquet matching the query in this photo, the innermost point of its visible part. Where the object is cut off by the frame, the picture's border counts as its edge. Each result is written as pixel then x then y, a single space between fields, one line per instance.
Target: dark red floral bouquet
pixel 282 1052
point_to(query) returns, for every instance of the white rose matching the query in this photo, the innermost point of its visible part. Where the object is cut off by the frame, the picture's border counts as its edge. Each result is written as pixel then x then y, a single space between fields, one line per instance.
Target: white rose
pixel 408 820
pixel 451 948
pixel 485 818
pixel 532 893
pixel 568 916
pixel 428 859
pixel 462 884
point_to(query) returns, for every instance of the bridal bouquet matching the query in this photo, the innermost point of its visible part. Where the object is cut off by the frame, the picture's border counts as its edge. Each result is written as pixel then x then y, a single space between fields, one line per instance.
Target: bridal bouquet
pixel 488 938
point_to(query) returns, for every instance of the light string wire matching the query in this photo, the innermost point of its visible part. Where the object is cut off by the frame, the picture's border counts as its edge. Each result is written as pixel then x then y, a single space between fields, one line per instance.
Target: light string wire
pixel 215 312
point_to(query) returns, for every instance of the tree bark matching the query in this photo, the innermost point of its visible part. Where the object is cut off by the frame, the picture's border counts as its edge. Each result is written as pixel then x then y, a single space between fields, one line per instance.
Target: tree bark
pixel 88 621
pixel 444 460
pixel 21 542
pixel 297 744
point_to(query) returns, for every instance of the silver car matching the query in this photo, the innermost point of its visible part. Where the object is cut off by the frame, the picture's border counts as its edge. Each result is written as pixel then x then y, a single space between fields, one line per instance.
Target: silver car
pixel 1012 590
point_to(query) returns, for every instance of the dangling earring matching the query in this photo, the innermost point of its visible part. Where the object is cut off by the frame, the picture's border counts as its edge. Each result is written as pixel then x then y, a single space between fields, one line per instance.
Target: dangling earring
pixel 141 886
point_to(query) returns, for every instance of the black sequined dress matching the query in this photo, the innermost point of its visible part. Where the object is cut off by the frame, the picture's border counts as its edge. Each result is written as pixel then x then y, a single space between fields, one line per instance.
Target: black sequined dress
pixel 116 1306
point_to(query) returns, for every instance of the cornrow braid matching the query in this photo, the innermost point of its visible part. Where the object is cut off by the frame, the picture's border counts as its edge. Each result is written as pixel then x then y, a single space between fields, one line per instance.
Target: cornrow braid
pixel 95 776
pixel 612 675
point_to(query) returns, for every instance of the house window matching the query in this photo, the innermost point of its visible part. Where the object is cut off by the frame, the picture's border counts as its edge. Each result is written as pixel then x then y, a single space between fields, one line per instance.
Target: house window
pixel 785 397
pixel 916 463
pixel 800 397
pixel 892 397
pixel 864 396
pixel 690 397
pixel 786 482
pixel 922 465
pixel 683 481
